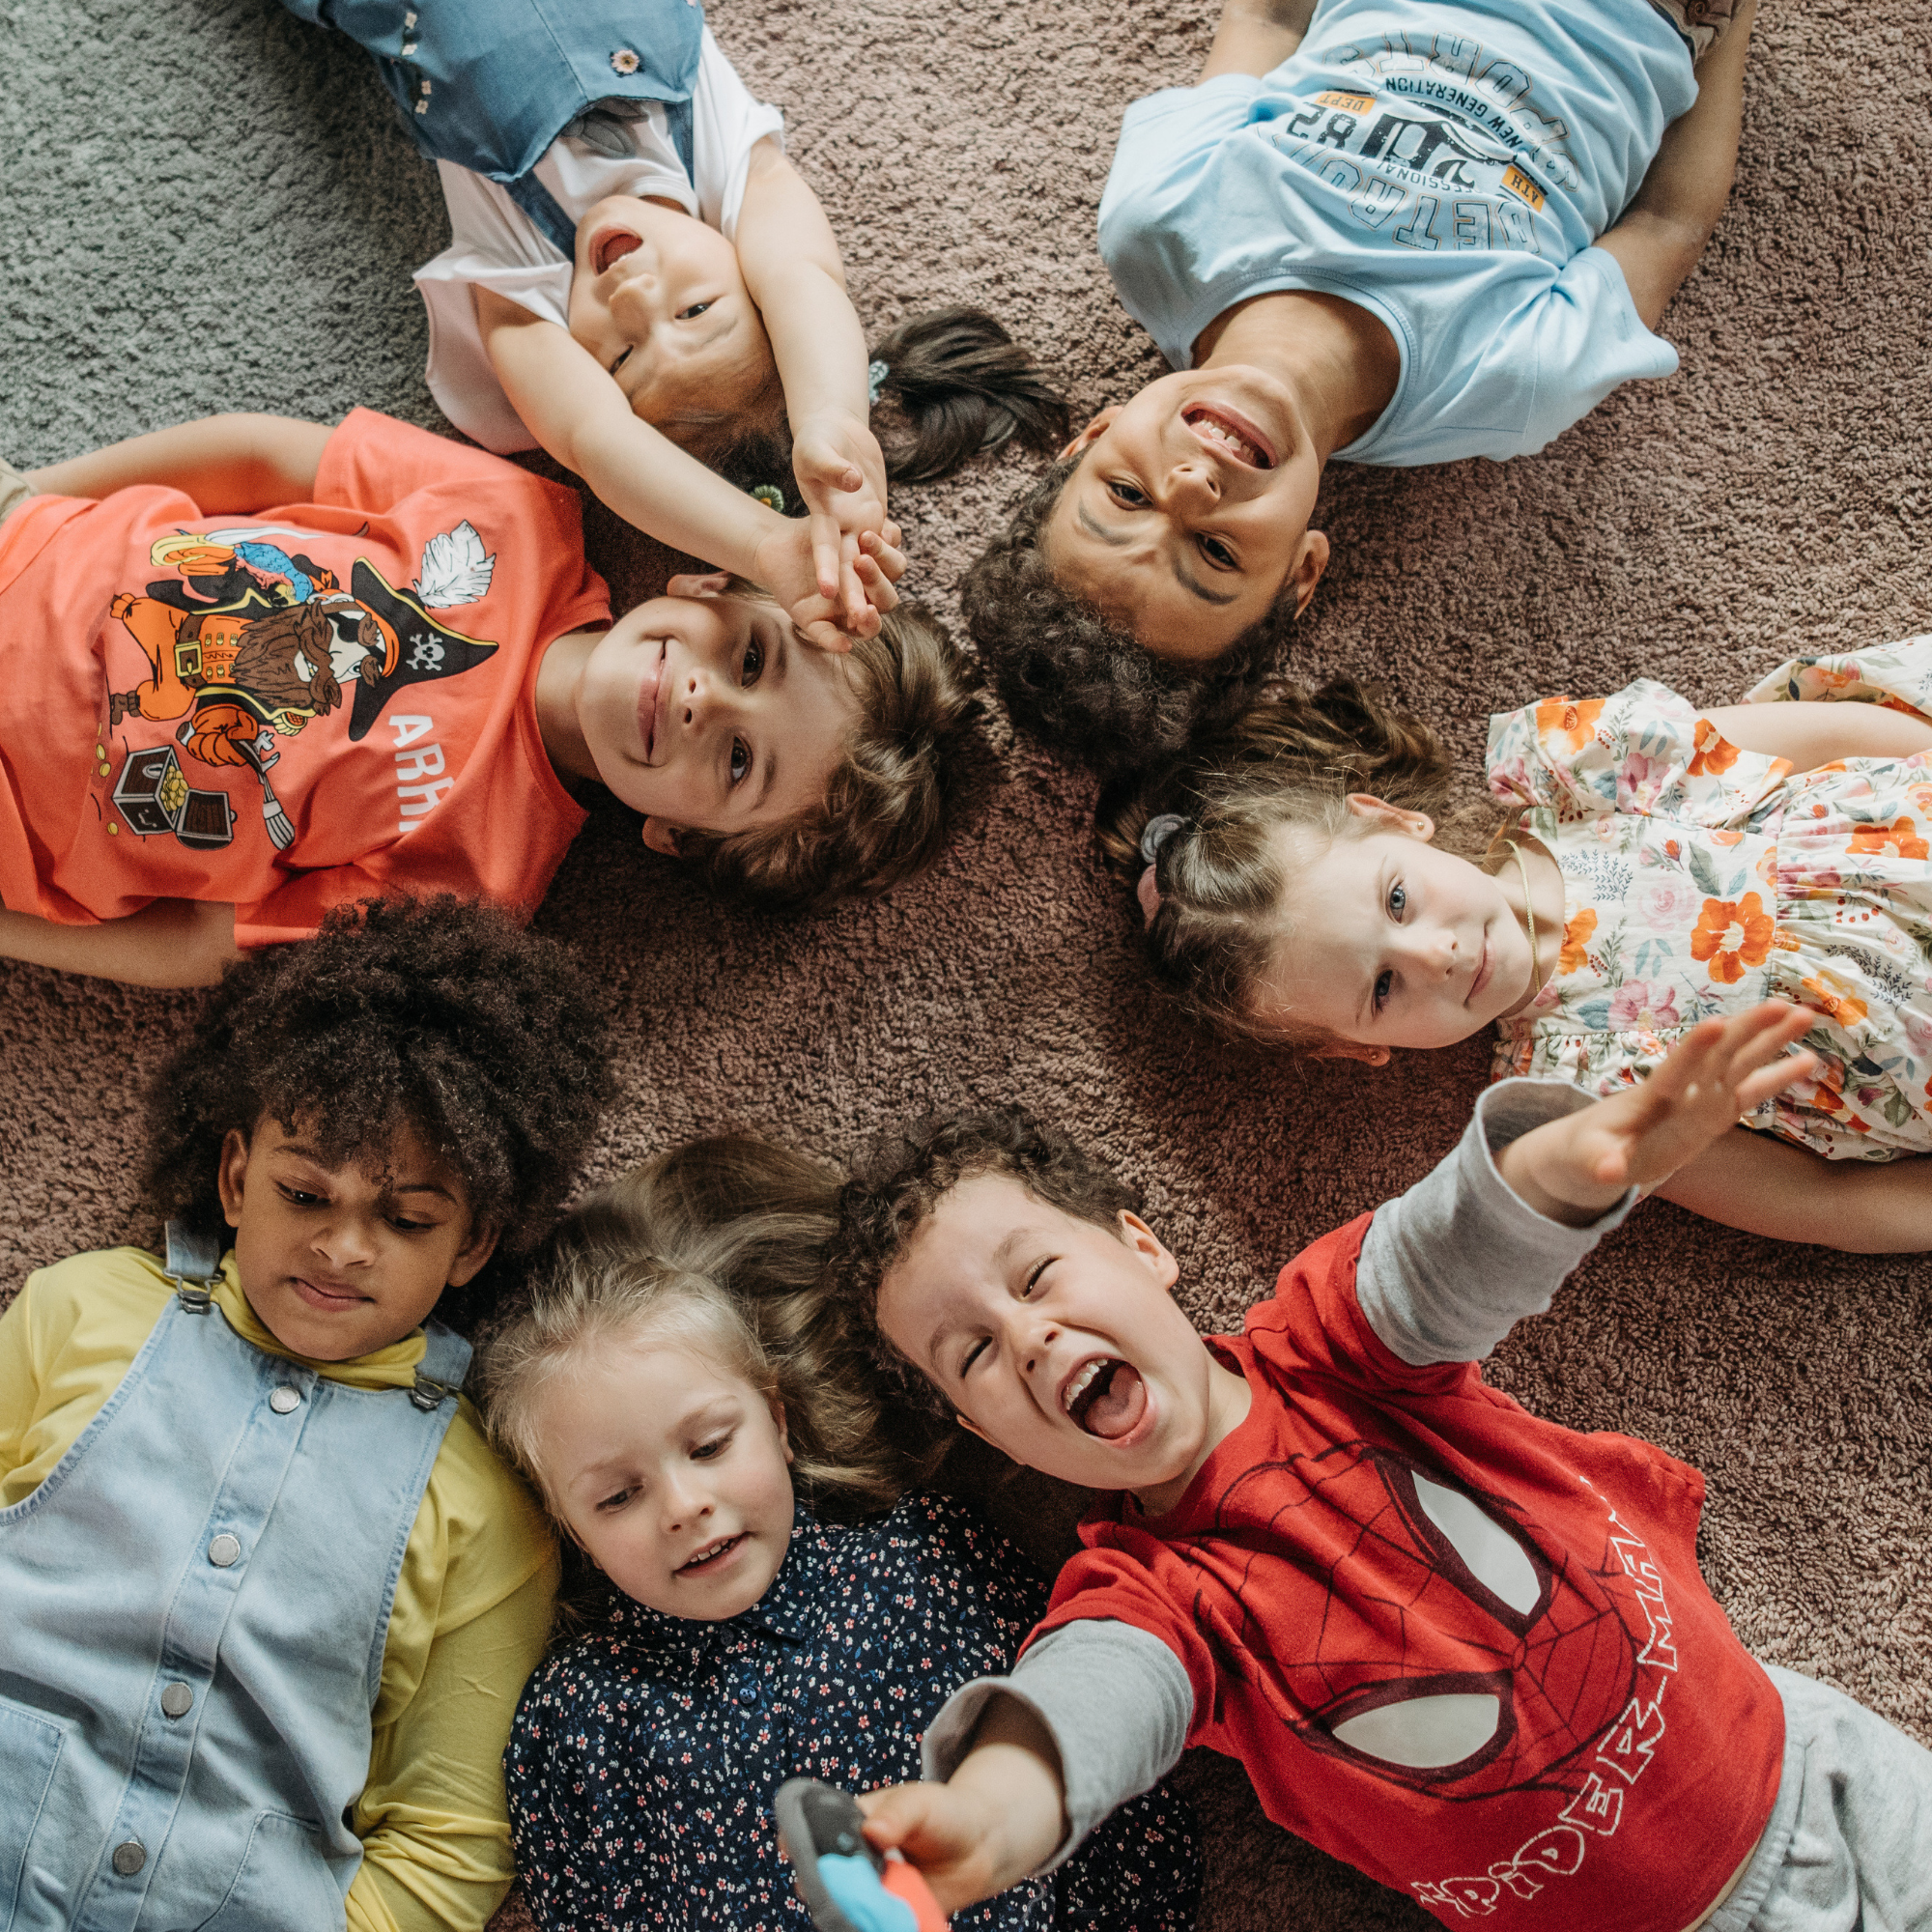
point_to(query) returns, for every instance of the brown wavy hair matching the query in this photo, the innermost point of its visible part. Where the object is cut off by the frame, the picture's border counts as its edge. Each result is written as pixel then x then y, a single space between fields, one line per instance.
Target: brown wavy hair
pixel 916 757
pixel 1085 686
pixel 1224 879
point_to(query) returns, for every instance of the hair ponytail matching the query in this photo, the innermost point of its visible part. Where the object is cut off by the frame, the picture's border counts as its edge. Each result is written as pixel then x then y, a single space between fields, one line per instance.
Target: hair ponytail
pixel 964 385
pixel 1292 758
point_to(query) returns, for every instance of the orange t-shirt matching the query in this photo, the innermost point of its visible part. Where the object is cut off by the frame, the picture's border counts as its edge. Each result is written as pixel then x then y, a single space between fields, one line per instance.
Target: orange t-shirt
pixel 287 710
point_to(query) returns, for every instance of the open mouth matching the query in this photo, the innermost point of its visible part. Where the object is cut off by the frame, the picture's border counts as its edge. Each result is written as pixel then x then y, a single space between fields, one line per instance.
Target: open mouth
pixel 612 244
pixel 1230 433
pixel 1105 1397
pixel 711 1557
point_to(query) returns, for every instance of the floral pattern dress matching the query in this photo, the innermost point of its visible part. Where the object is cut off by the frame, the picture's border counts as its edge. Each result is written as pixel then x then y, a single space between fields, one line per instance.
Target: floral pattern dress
pixel 1700 878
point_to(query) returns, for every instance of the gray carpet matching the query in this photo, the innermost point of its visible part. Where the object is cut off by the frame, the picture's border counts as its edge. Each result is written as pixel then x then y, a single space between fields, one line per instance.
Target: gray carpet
pixel 206 206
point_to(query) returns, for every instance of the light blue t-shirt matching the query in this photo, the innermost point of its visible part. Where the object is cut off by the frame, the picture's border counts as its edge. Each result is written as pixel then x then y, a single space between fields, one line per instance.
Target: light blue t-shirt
pixel 1448 168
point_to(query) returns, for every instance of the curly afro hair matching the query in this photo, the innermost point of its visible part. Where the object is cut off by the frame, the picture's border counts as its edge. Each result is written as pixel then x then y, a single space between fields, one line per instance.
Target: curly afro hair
pixel 438 1016
pixel 903 1175
pixel 1087 687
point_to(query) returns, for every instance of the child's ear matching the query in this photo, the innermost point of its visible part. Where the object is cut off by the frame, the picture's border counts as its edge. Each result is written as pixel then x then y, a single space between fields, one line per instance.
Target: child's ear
pixel 1094 431
pixel 1351 1049
pixel 1392 819
pixel 690 584
pixel 473 1253
pixel 229 1172
pixel 779 1417
pixel 1146 1243
pixel 660 835
pixel 1308 569
pixel 972 1428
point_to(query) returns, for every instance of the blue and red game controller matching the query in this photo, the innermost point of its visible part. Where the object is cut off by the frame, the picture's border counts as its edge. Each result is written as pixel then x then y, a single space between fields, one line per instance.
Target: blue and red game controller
pixel 847 1886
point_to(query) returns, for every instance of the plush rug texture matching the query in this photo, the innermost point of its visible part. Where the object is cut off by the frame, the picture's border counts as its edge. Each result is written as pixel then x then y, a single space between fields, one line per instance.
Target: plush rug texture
pixel 208 206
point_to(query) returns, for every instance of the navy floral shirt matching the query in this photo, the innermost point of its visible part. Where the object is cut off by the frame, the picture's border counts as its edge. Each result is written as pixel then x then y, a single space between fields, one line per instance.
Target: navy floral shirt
pixel 645 1752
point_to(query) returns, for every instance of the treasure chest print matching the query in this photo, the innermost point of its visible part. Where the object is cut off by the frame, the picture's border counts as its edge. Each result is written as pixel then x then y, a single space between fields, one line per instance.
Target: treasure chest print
pixel 1445 1651
pixel 250 644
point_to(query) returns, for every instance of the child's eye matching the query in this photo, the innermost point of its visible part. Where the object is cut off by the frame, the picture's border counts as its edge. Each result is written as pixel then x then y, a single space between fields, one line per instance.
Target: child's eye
pixel 754 667
pixel 295 1197
pixel 1218 554
pixel 972 1354
pixel 1384 982
pixel 1129 495
pixel 404 1225
pixel 623 357
pixel 1033 1280
pixel 741 760
pixel 1398 901
pixel 691 313
pixel 708 1452
pixel 617 1499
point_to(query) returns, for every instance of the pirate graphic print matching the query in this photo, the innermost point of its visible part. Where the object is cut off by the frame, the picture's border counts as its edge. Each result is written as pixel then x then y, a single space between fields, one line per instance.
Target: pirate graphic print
pixel 249 643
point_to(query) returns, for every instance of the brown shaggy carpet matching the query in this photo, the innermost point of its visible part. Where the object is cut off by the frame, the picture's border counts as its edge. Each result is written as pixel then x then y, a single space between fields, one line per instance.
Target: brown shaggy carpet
pixel 208 205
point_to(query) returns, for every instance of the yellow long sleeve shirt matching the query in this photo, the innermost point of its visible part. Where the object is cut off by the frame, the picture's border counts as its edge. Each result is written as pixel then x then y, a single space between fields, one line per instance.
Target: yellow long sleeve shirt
pixel 471 1609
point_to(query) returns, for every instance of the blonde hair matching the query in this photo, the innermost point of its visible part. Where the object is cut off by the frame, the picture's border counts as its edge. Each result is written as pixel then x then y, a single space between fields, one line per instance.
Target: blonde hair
pixel 1224 879
pixel 717 1245
pixel 901 782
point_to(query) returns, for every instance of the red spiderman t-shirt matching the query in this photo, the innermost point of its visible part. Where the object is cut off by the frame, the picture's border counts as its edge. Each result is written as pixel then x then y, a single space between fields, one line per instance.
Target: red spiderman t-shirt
pixel 1465 1649
pixel 289 709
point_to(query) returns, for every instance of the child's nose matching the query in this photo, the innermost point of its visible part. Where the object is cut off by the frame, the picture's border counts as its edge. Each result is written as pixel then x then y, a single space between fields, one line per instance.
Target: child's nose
pixel 344 1243
pixel 684 1504
pixel 1192 484
pixel 704 697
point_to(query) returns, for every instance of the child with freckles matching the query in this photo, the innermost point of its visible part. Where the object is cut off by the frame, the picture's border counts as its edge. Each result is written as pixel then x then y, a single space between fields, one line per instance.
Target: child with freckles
pixel 1465 1649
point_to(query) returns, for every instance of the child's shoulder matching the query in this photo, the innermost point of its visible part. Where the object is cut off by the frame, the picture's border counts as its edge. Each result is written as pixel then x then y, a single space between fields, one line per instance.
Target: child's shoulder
pixel 112 1295
pixel 486 1523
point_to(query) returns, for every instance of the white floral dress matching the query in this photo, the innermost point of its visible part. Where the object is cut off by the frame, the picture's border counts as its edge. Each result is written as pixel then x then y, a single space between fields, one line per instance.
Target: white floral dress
pixel 1699 879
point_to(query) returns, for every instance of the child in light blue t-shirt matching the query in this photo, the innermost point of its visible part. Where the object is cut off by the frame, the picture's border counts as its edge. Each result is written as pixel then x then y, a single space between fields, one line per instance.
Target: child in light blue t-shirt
pixel 1418 231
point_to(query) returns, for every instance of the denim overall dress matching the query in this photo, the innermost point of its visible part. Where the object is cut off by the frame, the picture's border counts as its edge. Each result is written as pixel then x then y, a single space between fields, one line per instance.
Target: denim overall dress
pixel 489 84
pixel 193 1610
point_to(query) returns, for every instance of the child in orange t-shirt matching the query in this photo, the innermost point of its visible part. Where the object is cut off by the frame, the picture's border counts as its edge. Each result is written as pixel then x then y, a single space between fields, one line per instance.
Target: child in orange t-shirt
pixel 277 666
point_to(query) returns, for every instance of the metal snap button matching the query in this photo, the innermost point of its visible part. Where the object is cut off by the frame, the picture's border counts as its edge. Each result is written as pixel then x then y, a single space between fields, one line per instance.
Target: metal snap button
pixel 128 1859
pixel 177 1700
pixel 284 1400
pixel 224 1550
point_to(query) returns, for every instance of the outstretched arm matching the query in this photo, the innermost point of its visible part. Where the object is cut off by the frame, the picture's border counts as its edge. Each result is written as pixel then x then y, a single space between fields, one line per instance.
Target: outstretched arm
pixel 581 417
pixel 791 265
pixel 1256 36
pixel 1767 1186
pixel 167 943
pixel 1811 735
pixel 227 463
pixel 1663 231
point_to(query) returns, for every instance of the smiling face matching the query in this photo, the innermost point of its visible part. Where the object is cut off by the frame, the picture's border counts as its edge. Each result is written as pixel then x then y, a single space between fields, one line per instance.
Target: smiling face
pixel 1189 513
pixel 337 1263
pixel 1411 945
pixel 710 714
pixel 659 299
pixel 1059 1342
pixel 673 1473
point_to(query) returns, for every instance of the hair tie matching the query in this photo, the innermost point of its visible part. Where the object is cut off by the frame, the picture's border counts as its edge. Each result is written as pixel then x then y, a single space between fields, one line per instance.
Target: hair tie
pixel 875 381
pixel 770 495
pixel 1157 831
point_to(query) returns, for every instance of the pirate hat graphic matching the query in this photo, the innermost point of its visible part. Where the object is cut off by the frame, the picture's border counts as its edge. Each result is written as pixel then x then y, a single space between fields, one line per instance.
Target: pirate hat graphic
pixel 424 649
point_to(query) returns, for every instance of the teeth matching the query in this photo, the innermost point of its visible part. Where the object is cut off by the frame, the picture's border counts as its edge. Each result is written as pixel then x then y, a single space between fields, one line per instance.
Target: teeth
pixel 1081 1383
pixel 709 1551
pixel 1222 433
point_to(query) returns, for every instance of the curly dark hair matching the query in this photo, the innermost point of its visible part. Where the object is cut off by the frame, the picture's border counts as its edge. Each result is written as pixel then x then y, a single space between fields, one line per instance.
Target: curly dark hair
pixel 902 1176
pixel 1226 897
pixel 1085 686
pixel 438 1016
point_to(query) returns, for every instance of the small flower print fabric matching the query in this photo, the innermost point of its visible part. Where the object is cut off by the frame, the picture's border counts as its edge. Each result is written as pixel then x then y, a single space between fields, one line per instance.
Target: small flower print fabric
pixel 1700 878
pixel 645 1752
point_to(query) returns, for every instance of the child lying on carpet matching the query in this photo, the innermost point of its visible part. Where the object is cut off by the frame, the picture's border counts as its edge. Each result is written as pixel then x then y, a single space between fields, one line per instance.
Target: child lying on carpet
pixel 277 666
pixel 1423 230
pixel 270 1595
pixel 636 272
pixel 1465 1649
pixel 677 1370
pixel 1657 865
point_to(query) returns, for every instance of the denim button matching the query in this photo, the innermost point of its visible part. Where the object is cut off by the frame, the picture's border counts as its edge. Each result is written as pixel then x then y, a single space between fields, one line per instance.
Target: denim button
pixel 128 1859
pixel 177 1700
pixel 224 1550
pixel 285 1400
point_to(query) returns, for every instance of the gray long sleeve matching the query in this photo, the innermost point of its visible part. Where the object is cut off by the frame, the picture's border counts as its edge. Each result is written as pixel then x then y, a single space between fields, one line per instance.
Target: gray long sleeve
pixel 1450 1267
pixel 1116 1700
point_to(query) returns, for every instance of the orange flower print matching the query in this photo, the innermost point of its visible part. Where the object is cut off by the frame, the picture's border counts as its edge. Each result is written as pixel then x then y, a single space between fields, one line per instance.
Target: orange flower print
pixel 1731 935
pixel 1723 838
pixel 1831 995
pixel 1577 940
pixel 1714 751
pixel 1899 839
pixel 1564 718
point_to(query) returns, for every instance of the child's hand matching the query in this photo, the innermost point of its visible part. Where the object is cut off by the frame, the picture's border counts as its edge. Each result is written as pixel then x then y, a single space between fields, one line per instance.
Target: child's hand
pixel 841 475
pixel 948 1834
pixel 783 565
pixel 1572 1170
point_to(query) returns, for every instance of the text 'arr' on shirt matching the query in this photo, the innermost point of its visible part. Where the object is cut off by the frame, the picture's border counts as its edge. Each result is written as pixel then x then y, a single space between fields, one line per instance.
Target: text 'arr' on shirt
pixel 294 708
pixel 1446 168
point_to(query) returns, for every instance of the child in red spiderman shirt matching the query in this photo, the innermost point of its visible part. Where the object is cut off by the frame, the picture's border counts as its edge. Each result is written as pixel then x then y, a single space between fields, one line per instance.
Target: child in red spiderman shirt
pixel 1465 1649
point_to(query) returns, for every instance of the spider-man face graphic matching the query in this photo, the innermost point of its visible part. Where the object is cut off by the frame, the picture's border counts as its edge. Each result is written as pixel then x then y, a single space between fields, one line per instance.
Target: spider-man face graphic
pixel 1451 1654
